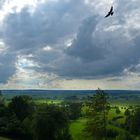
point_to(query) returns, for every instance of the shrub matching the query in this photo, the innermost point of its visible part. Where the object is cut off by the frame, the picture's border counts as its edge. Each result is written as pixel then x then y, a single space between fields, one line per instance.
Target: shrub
pixel 116 118
pixel 124 136
pixel 112 133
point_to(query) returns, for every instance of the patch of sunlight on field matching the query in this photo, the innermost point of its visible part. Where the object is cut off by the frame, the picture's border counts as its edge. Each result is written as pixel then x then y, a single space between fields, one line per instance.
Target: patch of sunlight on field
pixel 112 113
pixel 42 101
pixel 3 138
pixel 125 103
pixel 121 121
pixel 77 129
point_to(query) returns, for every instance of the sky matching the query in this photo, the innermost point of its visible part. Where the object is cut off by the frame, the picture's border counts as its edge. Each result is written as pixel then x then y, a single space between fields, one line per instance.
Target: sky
pixel 68 44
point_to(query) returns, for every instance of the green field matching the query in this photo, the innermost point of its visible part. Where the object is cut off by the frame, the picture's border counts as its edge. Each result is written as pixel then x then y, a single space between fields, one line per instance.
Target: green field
pixel 3 138
pixel 40 101
pixel 77 129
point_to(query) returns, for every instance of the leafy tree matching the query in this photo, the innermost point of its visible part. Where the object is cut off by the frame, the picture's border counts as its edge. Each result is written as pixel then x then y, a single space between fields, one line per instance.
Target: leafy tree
pixel 9 124
pixel 128 122
pixel 12 117
pixel 13 126
pixel 71 98
pixel 127 112
pixel 85 110
pixel 50 123
pixel 22 106
pixel 27 128
pixel 124 136
pixel 132 122
pixel 73 110
pixel 118 110
pixel 1 99
pixel 112 132
pixel 97 123
pixel 135 122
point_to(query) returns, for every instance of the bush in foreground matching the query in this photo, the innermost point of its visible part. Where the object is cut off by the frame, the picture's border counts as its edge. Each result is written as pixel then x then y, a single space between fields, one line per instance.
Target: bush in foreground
pixel 50 123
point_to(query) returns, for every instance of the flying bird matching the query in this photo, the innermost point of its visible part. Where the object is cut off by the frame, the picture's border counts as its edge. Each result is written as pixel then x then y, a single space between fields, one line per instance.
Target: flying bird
pixel 110 13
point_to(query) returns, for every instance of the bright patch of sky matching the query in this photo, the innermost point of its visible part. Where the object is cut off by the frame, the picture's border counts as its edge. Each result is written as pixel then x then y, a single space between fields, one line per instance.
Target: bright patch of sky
pixel 11 6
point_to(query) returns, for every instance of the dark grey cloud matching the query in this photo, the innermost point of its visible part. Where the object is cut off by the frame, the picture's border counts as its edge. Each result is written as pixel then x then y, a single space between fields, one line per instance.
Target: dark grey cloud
pixel 101 47
pixel 83 46
pixel 7 66
pixel 99 51
pixel 50 24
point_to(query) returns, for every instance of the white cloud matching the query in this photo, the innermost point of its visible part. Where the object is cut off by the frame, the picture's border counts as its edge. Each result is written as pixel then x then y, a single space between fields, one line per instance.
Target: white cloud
pixel 46 42
pixel 47 48
pixel 3 47
pixel 12 6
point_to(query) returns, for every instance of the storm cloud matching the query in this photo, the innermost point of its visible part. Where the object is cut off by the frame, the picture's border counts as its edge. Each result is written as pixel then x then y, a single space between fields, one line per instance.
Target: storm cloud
pixel 71 39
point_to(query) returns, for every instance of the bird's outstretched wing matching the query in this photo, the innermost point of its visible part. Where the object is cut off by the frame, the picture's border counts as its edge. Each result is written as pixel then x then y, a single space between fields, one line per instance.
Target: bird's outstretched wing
pixel 110 12
pixel 107 15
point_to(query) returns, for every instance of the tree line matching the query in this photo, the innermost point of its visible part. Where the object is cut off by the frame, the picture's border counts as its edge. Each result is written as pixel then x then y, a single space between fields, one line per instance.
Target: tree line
pixel 23 119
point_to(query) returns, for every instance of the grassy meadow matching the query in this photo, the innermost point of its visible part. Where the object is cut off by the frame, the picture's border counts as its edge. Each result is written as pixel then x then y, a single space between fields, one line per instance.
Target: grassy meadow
pixel 3 138
pixel 116 115
pixel 77 126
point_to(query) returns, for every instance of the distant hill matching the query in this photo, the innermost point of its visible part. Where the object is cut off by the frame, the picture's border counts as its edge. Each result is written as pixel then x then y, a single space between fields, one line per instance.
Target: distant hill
pixel 61 94
pixel 68 91
pixel 47 91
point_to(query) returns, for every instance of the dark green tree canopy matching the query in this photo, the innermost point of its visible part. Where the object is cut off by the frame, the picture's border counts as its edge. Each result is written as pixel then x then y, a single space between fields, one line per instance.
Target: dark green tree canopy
pixel 99 108
pixel 22 106
pixel 50 123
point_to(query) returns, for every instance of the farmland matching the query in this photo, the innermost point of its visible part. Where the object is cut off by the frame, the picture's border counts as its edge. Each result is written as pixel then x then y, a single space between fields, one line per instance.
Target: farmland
pixel 117 116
